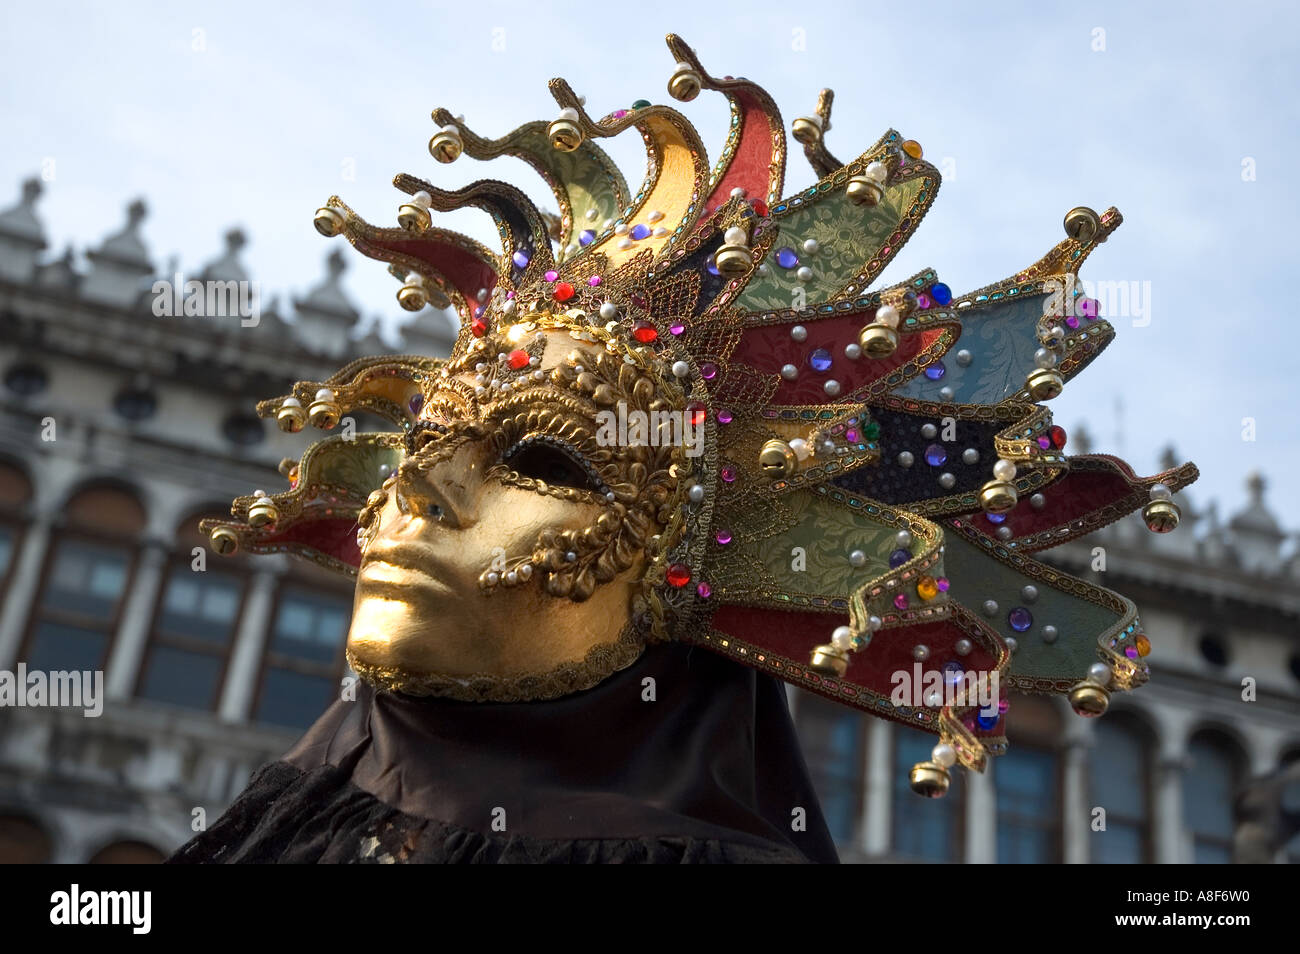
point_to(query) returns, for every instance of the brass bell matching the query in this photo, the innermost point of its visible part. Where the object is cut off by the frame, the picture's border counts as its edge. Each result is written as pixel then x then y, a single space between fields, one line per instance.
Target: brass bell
pixel 329 222
pixel 263 511
pixel 414 215
pixel 684 85
pixel 446 144
pixel 412 296
pixel 998 496
pixel 877 340
pixel 1089 699
pixel 1082 224
pixel 287 466
pixel 776 459
pixel 324 412
pixel 807 130
pixel 564 133
pixel 1161 516
pixel 1044 384
pixel 733 259
pixel 929 779
pixel 224 540
pixel 862 190
pixel 829 661
pixel 291 417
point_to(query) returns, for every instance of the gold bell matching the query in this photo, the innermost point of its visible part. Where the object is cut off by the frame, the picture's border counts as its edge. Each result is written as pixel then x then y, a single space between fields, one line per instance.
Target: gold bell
pixel 414 215
pixel 1082 224
pixel 877 340
pixel 862 190
pixel 998 496
pixel 684 85
pixel 412 296
pixel 1161 516
pixel 733 259
pixel 829 661
pixel 224 540
pixel 1044 384
pixel 446 145
pixel 776 459
pixel 807 130
pixel 324 412
pixel 1089 699
pixel 291 417
pixel 564 132
pixel 329 222
pixel 262 512
pixel 929 779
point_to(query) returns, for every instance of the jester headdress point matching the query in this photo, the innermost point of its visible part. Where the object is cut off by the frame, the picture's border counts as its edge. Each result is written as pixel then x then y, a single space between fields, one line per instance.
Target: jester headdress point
pixel 875 467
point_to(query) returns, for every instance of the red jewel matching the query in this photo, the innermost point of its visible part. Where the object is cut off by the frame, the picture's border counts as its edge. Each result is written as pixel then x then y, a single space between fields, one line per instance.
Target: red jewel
pixel 644 332
pixel 479 327
pixel 760 207
pixel 697 412
pixel 679 574
pixel 563 291
pixel 1057 433
pixel 517 359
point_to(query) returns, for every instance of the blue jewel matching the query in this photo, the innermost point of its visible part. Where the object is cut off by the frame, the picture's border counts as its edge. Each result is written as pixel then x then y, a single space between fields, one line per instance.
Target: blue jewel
pixel 995 517
pixel 1020 619
pixel 586 237
pixel 786 258
pixel 941 293
pixel 820 360
pixel 935 371
pixel 936 455
pixel 640 231
pixel 987 721
pixel 899 557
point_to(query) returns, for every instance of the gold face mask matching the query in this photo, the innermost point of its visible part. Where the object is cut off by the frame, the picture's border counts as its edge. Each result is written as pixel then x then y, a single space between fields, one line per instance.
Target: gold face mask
pixel 504 558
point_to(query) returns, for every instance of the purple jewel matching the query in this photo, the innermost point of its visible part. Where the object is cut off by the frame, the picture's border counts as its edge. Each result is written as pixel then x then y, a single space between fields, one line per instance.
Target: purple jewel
pixel 620 113
pixel 923 301
pixel 586 237
pixel 1087 307
pixel 851 435
pixel 1131 652
pixel 520 259
pixel 728 474
pixel 899 557
pixel 708 371
pixel 724 416
pixel 640 231
pixel 712 269
pixel 723 537
pixel 1072 321
pixel 786 257
pixel 1020 619
pixel 703 590
pixel 416 402
pixel 936 455
pixel 593 281
pixel 1045 442
pixel 943 584
pixel 478 311
pixel 551 276
pixel 900 601
pixel 676 328
pixel 995 517
pixel 820 360
pixel 935 371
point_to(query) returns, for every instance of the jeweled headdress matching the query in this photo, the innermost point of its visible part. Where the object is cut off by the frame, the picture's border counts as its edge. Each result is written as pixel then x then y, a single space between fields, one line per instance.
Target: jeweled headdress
pixel 876 471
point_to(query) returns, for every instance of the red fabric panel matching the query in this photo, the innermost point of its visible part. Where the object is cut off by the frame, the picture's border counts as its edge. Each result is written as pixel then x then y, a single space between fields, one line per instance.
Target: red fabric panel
pixel 751 164
pixel 334 536
pixel 464 270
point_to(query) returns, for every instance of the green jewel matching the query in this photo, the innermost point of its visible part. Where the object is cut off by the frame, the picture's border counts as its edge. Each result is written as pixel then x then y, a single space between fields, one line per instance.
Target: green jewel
pixel 641 104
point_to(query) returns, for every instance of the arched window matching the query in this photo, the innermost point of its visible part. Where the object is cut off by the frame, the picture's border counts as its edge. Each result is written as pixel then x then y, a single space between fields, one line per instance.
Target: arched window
pixel 87 574
pixel 1214 763
pixel 23 841
pixel 194 624
pixel 15 492
pixel 1028 783
pixel 925 829
pixel 833 737
pixel 304 663
pixel 1120 782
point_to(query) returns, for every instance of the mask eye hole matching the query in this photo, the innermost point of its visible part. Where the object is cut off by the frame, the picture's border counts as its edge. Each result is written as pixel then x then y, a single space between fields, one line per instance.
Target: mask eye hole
pixel 552 462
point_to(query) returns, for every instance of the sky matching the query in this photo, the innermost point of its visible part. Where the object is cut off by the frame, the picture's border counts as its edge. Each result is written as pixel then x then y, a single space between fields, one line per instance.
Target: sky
pixel 1182 114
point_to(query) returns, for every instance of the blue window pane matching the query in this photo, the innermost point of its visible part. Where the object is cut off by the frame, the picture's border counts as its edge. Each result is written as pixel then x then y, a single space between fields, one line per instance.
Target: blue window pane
pixel 1028 804
pixel 59 647
pixel 201 605
pixel 1208 790
pixel 311 626
pixel 924 828
pixel 87 578
pixel 1117 780
pixel 293 699
pixel 7 537
pixel 181 678
pixel 832 742
pixel 1122 843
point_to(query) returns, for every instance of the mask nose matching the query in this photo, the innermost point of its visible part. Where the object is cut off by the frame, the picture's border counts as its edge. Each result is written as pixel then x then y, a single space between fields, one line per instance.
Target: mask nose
pixel 447 488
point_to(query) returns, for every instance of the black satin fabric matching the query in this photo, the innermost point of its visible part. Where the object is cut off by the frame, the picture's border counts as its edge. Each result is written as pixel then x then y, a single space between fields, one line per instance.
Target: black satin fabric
pixel 709 770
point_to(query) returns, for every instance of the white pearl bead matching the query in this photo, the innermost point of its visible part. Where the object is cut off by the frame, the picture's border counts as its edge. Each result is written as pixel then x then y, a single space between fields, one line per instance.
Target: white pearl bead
pixel 799 333
pixel 943 754
pixel 962 647
pixel 853 351
pixel 592 213
pixel 681 369
pixel 876 170
pixel 904 538
pixel 945 393
pixel 738 193
pixel 696 493
pixel 1161 492
pixel 660 232
pixel 800 448
pixel 804 274
pixel 842 638
pixel 569 113
pixel 1003 532
pixel 324 394
pixel 1029 592
pixel 1044 358
pixel 964 358
pixel 655 215
pixel 832 387
pixel 736 236
pixel 921 652
pixel 970 456
pixel 620 229
pixel 857 558
pixel 1038 501
pixel 624 243
pixel 874 623
pixel 810 246
pixel 291 402
pixel 905 459
pixel 1004 469
pixel 789 372
pixel 887 315
pixel 947 481
pixel 990 608
pixel 608 310
pixel 762 268
pixel 1012 644
pixel 1099 673
pixel 512 577
pixel 1049 633
pixel 493 577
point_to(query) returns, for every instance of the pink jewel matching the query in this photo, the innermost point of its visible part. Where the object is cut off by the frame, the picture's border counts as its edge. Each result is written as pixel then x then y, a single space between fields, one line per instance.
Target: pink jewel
pixel 708 371
pixel 728 474
pixel 923 301
pixel 900 601
pixel 1072 321
pixel 593 281
pixel 942 583
pixel 551 276
pixel 723 537
pixel 703 590
pixel 1003 705
pixel 724 416
pixel 677 327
